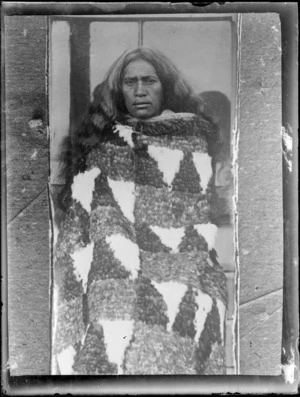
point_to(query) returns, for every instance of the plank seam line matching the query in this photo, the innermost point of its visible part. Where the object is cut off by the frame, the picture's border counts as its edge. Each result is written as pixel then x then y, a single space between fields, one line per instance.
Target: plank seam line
pixel 28 204
pixel 260 297
pixel 260 324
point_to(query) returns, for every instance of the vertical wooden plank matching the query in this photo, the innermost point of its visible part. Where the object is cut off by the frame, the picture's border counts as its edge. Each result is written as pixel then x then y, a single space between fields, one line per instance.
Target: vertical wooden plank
pixel 27 199
pixel 29 290
pixel 59 93
pixel 260 218
pixel 26 110
pixel 80 71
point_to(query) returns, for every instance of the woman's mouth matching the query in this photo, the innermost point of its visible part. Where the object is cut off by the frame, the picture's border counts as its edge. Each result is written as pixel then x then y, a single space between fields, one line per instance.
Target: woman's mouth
pixel 142 105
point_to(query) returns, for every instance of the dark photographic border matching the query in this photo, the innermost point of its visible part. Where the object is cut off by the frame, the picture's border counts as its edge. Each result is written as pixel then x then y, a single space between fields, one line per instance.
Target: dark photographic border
pixel 43 385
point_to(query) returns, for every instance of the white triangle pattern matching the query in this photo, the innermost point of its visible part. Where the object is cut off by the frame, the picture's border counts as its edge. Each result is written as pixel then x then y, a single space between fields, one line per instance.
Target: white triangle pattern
pixel 209 231
pixel 203 166
pixel 172 292
pixel 125 132
pixel 65 361
pixel 170 237
pixel 83 187
pixel 82 258
pixel 168 161
pixel 117 336
pixel 204 303
pixel 123 192
pixel 126 252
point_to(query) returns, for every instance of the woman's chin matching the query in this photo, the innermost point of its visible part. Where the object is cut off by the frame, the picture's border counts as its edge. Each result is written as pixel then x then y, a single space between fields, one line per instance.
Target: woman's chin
pixel 144 114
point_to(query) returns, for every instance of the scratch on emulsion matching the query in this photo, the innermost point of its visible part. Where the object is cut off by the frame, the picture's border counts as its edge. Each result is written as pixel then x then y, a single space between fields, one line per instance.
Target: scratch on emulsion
pixel 289 369
pixel 236 137
pixel 287 146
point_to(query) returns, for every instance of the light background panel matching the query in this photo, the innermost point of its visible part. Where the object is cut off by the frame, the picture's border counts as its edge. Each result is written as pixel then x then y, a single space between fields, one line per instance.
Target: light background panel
pixel 107 41
pixel 200 49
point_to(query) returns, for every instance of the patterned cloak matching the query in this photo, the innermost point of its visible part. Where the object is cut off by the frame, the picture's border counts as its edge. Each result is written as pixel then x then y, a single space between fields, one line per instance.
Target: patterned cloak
pixel 137 288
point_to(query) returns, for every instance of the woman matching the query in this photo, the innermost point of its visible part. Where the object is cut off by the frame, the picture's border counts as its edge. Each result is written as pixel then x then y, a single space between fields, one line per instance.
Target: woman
pixel 137 287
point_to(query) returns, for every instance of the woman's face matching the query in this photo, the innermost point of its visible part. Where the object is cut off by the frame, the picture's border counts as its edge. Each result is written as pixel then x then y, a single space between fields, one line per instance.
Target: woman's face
pixel 142 90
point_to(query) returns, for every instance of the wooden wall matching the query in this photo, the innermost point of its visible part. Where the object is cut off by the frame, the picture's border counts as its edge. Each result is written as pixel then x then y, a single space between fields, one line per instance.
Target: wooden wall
pixel 28 255
pixel 260 205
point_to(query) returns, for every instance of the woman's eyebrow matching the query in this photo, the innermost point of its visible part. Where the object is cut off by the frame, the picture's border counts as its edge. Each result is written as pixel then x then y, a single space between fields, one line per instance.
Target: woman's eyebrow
pixel 148 76
pixel 129 77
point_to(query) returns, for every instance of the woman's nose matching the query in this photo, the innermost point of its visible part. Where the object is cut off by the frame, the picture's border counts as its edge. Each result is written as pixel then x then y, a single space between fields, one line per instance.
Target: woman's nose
pixel 140 89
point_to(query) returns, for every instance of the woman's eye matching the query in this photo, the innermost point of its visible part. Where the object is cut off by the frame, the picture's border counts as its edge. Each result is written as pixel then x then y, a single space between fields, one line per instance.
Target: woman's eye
pixel 129 82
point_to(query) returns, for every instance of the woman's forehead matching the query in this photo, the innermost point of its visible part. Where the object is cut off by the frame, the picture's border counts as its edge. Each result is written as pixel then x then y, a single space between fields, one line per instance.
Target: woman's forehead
pixel 139 67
